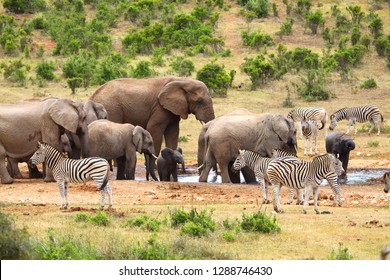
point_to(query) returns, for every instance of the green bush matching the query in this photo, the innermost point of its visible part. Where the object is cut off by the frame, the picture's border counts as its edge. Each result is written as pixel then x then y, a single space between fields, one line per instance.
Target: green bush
pixel 192 222
pixel 81 217
pixel 373 143
pixel 15 243
pixel 193 229
pixel 259 7
pixel 182 66
pixel 142 70
pixel 24 6
pixel 286 27
pixel 381 44
pixel 342 253
pixel 370 83
pixel 81 66
pixel 112 67
pixel 228 236
pixel 259 70
pixel 45 70
pixel 152 250
pixel 256 39
pixel 216 79
pixel 314 20
pixel 16 71
pixel 100 219
pixel 313 86
pixel 259 222
pixel 74 83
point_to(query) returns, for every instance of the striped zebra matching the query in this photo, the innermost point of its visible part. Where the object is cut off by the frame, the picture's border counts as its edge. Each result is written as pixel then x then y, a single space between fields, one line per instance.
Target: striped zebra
pixel 386 178
pixel 259 165
pixel 67 170
pixel 310 135
pixel 301 114
pixel 360 114
pixel 301 174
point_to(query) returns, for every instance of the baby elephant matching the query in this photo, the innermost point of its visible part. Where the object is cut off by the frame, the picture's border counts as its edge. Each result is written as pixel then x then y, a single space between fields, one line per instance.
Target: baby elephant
pixel 167 164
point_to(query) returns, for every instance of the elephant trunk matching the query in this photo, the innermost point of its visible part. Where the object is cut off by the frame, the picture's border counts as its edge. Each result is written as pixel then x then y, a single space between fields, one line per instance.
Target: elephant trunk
pixel 183 168
pixel 84 144
pixel 150 163
pixel 350 145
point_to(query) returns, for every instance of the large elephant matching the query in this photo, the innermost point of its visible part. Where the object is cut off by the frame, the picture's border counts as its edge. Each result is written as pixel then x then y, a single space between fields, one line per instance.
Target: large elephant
pixel 111 140
pixel 94 111
pixel 221 139
pixel 24 124
pixel 340 144
pixel 33 172
pixel 167 164
pixel 156 104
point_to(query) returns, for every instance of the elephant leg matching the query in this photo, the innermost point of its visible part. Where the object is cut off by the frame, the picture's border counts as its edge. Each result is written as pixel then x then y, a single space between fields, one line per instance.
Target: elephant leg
pixel 209 163
pixel 5 177
pixel 249 175
pixel 120 170
pixel 13 168
pixel 171 135
pixel 234 176
pixel 174 174
pixel 34 172
pixel 131 161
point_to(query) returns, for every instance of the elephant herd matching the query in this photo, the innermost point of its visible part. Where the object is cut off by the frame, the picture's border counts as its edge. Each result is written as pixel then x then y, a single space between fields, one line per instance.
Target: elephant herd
pixel 126 116
pixel 122 116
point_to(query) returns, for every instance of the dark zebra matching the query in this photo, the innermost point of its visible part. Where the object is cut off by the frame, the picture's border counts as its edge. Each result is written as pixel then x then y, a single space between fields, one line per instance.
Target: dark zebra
pixel 301 114
pixel 310 136
pixel 301 174
pixel 259 165
pixel 360 114
pixel 386 178
pixel 67 170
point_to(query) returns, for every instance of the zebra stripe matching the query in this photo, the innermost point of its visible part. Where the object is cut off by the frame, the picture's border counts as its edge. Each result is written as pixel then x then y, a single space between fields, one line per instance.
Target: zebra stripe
pixel 310 135
pixel 67 170
pixel 300 114
pixel 259 165
pixel 359 114
pixel 301 174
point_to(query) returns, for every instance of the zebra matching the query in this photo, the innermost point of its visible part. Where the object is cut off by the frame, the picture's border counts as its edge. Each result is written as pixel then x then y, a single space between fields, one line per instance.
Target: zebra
pixel 67 170
pixel 300 114
pixel 360 114
pixel 310 135
pixel 301 174
pixel 259 165
pixel 386 178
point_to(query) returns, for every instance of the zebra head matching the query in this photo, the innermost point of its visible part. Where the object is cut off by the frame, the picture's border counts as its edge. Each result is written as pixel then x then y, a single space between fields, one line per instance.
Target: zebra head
pixel 39 156
pixel 239 162
pixel 386 178
pixel 333 122
pixel 336 165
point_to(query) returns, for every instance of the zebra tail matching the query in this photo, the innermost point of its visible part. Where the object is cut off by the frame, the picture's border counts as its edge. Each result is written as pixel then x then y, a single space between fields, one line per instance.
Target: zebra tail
pixel 105 181
pixel 382 119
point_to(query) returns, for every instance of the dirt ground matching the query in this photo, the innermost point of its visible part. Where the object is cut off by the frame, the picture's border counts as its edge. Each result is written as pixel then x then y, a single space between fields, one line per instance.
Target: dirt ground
pixel 36 193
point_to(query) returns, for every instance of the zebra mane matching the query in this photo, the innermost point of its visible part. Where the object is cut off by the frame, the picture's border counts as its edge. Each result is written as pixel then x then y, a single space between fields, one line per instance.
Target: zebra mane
pixel 339 113
pixel 322 157
pixel 47 145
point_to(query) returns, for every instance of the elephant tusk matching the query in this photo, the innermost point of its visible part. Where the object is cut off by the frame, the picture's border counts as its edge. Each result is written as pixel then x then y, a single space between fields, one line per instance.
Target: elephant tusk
pixel 201 166
pixel 202 122
pixel 154 156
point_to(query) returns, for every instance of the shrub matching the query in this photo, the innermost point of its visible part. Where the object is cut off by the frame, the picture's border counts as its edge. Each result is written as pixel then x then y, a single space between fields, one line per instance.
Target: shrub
pixel 142 70
pixel 370 83
pixel 373 143
pixel 80 66
pixel 216 79
pixel 259 222
pixel 286 27
pixel 313 87
pixel 182 66
pixel 193 223
pixel 228 236
pixel 259 7
pixel 376 27
pixel 381 44
pixel 111 67
pixel 24 6
pixel 152 250
pixel 74 83
pixel 256 39
pixel 193 229
pixel 14 243
pixel 356 14
pixel 314 20
pixel 100 219
pixel 45 70
pixel 81 217
pixel 16 71
pixel 259 70
pixel 341 254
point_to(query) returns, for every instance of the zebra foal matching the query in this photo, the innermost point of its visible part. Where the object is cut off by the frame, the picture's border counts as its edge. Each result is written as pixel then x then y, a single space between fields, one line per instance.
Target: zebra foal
pixel 310 135
pixel 67 170
pixel 259 165
pixel 301 114
pixel 360 114
pixel 301 174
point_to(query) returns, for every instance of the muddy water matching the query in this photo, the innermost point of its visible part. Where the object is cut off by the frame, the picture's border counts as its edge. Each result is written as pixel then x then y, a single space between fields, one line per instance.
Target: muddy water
pixel 354 177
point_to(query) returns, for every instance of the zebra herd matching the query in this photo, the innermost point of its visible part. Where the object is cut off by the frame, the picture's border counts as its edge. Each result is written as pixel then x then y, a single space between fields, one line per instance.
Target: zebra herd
pixel 297 174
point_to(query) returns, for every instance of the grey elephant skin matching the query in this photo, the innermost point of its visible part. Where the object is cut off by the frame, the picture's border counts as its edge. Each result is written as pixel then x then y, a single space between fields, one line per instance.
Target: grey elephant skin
pixel 94 111
pixel 111 140
pixel 220 140
pixel 340 144
pixel 26 123
pixel 167 164
pixel 156 104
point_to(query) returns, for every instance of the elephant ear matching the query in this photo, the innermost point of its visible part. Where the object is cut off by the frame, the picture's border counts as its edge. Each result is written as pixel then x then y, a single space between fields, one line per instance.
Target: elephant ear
pixel 94 111
pixel 281 126
pixel 67 113
pixel 138 138
pixel 173 97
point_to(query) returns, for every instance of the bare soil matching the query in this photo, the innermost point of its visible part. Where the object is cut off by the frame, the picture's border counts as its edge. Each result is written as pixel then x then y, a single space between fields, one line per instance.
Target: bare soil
pixel 37 194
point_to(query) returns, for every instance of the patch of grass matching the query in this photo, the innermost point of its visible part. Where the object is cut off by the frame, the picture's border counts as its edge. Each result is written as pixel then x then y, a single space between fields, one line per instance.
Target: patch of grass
pixel 373 143
pixel 259 222
pixel 100 219
pixel 370 83
pixel 228 236
pixel 342 253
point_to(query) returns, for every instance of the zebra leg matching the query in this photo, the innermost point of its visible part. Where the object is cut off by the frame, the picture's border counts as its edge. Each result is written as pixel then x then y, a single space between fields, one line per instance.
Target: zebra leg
pixel 61 187
pixel 308 188
pixel 102 194
pixel 300 129
pixel 265 190
pixel 291 198
pixel 315 194
pixel 109 192
pixel 276 199
pixel 66 195
pixel 300 197
pixel 373 124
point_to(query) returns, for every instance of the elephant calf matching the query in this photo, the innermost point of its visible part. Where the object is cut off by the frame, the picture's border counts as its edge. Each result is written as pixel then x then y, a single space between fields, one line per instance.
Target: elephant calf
pixel 340 144
pixel 118 141
pixel 167 164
